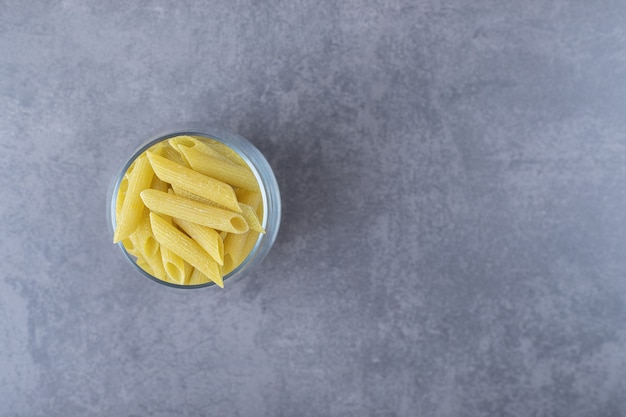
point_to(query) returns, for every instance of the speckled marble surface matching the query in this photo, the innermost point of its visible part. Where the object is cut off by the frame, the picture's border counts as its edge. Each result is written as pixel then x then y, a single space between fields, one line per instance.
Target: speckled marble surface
pixel 454 194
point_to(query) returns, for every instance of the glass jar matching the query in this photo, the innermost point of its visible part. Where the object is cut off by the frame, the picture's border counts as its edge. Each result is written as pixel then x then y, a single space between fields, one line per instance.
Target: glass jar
pixel 267 185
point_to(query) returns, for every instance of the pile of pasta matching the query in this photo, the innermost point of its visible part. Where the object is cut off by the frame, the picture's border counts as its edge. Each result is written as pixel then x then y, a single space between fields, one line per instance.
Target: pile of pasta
pixel 188 209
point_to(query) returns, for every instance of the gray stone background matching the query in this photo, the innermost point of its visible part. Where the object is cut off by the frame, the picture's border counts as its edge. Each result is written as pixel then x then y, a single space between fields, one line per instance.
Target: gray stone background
pixel 454 195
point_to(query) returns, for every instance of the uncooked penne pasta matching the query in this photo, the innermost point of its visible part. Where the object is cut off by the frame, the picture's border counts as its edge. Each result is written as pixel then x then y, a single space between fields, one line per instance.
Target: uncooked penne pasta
pixel 174 156
pixel 155 263
pixel 165 150
pixel 144 239
pixel 226 151
pixel 237 247
pixel 122 189
pixel 234 250
pixel 251 238
pixel 249 214
pixel 233 247
pixel 132 209
pixel 206 237
pixel 253 199
pixel 220 169
pixel 198 278
pixel 159 184
pixel 175 267
pixel 130 248
pixel 193 211
pixel 185 247
pixel 190 210
pixel 121 195
pixel 197 144
pixel 181 192
pixel 191 196
pixel 190 180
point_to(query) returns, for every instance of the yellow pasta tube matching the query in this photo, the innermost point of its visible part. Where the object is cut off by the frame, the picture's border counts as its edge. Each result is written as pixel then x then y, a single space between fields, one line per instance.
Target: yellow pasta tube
pixel 174 156
pixel 191 196
pixel 237 247
pixel 121 195
pixel 153 261
pixel 165 150
pixel 250 215
pixel 251 239
pixel 198 144
pixel 144 239
pixel 251 198
pixel 193 211
pixel 233 246
pixel 185 247
pixel 183 177
pixel 156 263
pixel 220 169
pixel 132 208
pixel 121 191
pixel 206 237
pixel 175 267
pixel 159 184
pixel 233 251
pixel 130 248
pixel 198 278
pixel 226 151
